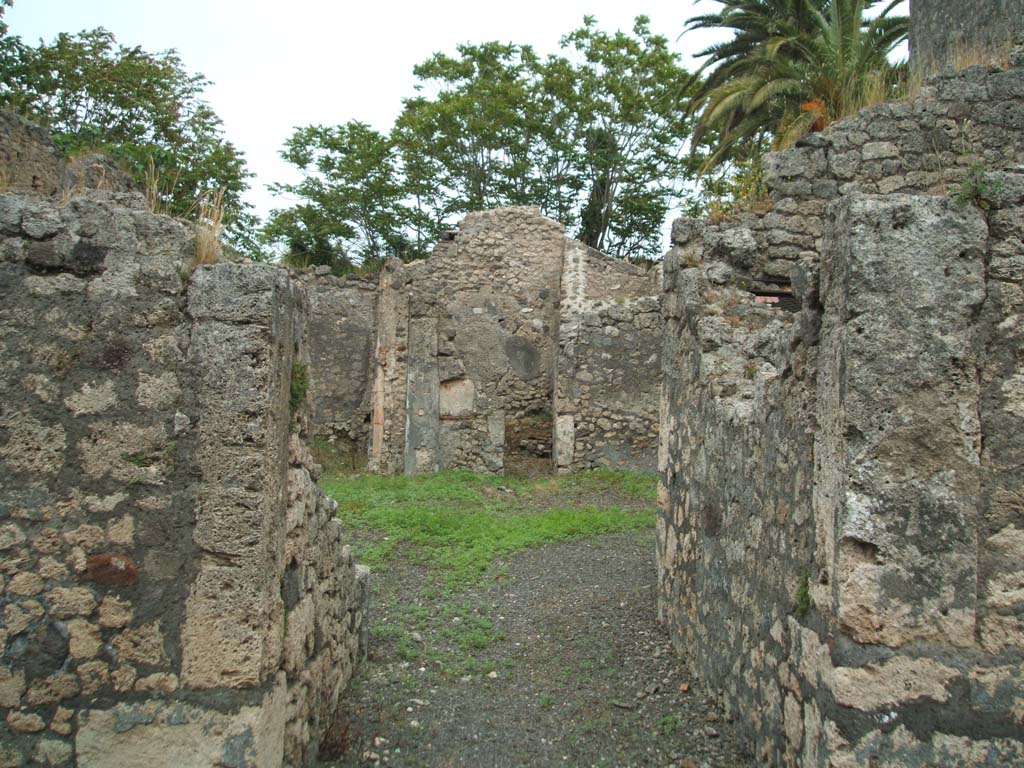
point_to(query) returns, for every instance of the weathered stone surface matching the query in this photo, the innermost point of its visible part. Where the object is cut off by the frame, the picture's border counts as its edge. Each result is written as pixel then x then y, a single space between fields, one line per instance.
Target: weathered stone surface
pixel 938 28
pixel 607 374
pixel 482 310
pixel 25 722
pixel 907 404
pixel 142 645
pixel 112 570
pixel 341 331
pixel 85 640
pixel 29 160
pixel 898 681
pixel 12 686
pixel 155 488
pixel 158 733
pixel 472 342
pixel 840 487
pixel 115 612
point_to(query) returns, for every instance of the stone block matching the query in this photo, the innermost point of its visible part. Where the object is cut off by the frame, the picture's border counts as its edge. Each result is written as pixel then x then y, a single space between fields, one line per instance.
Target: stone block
pixel 902 372
pixel 152 733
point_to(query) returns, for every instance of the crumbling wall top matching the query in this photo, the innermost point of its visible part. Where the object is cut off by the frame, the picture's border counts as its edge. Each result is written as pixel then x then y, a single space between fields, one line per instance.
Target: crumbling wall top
pixel 939 27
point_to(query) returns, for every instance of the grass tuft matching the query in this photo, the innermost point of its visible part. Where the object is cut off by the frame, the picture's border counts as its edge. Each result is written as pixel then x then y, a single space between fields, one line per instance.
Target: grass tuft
pixel 802 599
pixel 156 186
pixel 978 188
pixel 209 227
pixel 997 54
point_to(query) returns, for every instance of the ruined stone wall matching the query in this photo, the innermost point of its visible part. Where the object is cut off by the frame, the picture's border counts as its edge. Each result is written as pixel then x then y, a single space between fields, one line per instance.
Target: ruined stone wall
pixel 175 589
pixel 31 164
pixel 939 27
pixel 29 161
pixel 466 344
pixel 341 332
pixel 608 372
pixel 506 328
pixel 839 527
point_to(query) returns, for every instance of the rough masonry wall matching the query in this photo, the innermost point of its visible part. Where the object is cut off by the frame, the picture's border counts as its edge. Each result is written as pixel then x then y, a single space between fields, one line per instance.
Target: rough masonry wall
pixel 608 368
pixel 175 590
pixel 31 164
pixel 939 27
pixel 466 345
pixel 341 335
pixel 507 329
pixel 840 519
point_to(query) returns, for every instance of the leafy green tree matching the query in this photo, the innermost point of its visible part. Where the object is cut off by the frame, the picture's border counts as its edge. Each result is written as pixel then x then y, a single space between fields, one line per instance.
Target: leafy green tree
pixel 351 210
pixel 792 66
pixel 594 138
pixel 146 110
pixel 474 136
pixel 632 94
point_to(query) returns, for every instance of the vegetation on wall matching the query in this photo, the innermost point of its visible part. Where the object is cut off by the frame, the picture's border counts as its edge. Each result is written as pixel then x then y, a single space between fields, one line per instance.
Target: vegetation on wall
pixel 145 110
pixel 607 136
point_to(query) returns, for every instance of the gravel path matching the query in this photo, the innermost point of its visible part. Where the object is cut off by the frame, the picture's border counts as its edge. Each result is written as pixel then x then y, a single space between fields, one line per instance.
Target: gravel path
pixel 559 662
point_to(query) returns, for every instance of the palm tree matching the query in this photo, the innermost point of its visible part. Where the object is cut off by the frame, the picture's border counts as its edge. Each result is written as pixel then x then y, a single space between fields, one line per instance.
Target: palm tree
pixel 793 66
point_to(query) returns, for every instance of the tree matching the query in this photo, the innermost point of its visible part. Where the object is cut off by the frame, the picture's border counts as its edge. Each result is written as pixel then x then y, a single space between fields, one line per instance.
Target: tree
pixel 792 66
pixel 631 94
pixel 473 139
pixel 594 138
pixel 351 210
pixel 146 110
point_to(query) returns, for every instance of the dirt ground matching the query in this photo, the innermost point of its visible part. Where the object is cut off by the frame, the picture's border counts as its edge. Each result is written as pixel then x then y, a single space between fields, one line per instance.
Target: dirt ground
pixel 558 661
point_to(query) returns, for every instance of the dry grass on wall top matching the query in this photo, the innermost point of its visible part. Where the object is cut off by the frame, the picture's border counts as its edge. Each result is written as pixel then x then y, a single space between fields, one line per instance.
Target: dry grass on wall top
pixel 209 209
pixel 994 55
pixel 209 228
pixel 962 57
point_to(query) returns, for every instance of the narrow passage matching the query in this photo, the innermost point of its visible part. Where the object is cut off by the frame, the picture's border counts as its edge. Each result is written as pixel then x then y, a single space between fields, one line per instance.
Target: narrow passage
pixel 549 656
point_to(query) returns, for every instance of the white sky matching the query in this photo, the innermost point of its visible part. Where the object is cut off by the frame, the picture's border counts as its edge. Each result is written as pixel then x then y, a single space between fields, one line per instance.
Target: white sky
pixel 288 63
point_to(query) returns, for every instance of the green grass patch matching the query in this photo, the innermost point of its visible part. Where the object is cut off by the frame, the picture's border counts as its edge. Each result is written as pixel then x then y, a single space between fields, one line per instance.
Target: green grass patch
pixel 451 638
pixel 802 599
pixel 459 523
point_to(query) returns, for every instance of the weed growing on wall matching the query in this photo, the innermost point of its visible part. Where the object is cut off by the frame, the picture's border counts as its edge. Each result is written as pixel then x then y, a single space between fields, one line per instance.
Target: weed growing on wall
pixel 802 599
pixel 299 386
pixel 209 227
pixel 978 188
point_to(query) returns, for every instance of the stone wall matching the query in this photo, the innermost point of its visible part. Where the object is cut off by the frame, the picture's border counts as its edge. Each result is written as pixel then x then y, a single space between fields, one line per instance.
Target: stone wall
pixel 939 27
pixel 608 372
pixel 839 527
pixel 175 588
pixel 31 164
pixel 29 161
pixel 469 341
pixel 342 335
pixel 466 344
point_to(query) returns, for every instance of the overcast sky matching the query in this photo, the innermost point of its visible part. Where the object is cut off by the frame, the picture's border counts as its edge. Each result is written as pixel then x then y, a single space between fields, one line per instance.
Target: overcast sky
pixel 279 65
